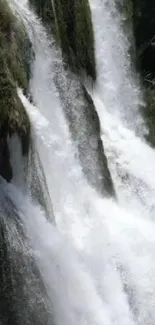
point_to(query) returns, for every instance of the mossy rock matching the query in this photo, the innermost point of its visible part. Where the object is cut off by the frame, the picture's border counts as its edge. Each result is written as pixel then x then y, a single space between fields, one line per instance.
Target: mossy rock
pixel 15 45
pixel 71 24
pixel 14 70
pixel 15 57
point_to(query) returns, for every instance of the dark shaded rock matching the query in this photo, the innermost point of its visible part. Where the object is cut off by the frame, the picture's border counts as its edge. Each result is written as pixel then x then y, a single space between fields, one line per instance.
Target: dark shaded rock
pixel 15 57
pixel 85 130
pixel 71 24
pixel 44 9
pixel 102 169
pixel 23 295
pixel 144 30
pixel 5 166
pixel 36 182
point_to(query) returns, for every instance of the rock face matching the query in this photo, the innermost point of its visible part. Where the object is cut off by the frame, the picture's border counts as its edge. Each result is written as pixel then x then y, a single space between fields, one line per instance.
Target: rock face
pixel 144 30
pixel 15 53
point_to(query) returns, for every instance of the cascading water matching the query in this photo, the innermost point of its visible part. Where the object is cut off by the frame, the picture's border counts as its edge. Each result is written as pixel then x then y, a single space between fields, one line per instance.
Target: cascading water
pixel 97 264
pixel 118 100
pixel 116 86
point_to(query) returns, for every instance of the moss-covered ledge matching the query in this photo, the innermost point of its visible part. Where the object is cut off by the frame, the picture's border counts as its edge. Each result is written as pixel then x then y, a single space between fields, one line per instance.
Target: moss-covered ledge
pixel 15 56
pixel 71 24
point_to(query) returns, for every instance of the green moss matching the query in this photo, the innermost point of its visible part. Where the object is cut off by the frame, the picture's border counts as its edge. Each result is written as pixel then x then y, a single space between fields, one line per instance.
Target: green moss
pixel 15 52
pixel 15 45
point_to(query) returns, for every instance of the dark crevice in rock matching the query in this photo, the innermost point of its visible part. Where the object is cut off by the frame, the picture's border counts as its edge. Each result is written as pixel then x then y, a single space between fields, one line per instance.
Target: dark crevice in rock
pixel 144 30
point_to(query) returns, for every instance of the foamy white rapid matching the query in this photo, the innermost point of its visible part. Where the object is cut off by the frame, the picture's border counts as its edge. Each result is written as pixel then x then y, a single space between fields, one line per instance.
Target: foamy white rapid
pixel 98 262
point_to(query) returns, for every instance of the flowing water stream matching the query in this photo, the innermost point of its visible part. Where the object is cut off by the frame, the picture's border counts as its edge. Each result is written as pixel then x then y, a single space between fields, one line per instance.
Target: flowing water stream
pixel 97 260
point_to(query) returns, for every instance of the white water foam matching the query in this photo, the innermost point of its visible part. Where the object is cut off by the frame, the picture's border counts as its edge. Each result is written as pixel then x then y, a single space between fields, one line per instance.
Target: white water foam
pixel 98 265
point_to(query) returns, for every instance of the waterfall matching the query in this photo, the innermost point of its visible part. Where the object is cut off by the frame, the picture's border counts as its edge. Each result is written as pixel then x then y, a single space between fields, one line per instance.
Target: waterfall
pixel 118 100
pixel 117 87
pixel 94 261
